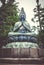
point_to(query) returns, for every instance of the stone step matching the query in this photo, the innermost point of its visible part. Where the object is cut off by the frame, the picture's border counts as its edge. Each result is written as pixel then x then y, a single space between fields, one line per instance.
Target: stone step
pixel 22 60
pixel 20 64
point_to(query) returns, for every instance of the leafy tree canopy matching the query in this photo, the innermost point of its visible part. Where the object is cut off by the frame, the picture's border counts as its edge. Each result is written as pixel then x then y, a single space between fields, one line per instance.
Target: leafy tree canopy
pixel 8 14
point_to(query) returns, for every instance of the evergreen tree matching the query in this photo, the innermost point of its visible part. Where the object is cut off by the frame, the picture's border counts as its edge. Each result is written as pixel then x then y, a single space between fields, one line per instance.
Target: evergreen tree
pixel 8 15
pixel 40 18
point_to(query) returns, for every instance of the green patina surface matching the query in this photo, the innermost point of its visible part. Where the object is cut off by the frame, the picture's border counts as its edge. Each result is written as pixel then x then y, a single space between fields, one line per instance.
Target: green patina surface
pixel 21 45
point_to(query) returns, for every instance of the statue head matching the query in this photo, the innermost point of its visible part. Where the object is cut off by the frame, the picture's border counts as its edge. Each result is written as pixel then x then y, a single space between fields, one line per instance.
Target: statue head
pixel 22 15
pixel 22 9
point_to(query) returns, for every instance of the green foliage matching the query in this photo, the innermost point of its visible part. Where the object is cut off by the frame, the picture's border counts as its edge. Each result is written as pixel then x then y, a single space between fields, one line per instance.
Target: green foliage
pixel 9 15
pixel 13 15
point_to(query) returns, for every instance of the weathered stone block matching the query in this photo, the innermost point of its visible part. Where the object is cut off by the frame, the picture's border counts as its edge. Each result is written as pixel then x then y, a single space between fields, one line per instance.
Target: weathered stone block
pixel 25 52
pixel 14 52
pixel 6 52
pixel 41 52
pixel 0 53
pixel 34 52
